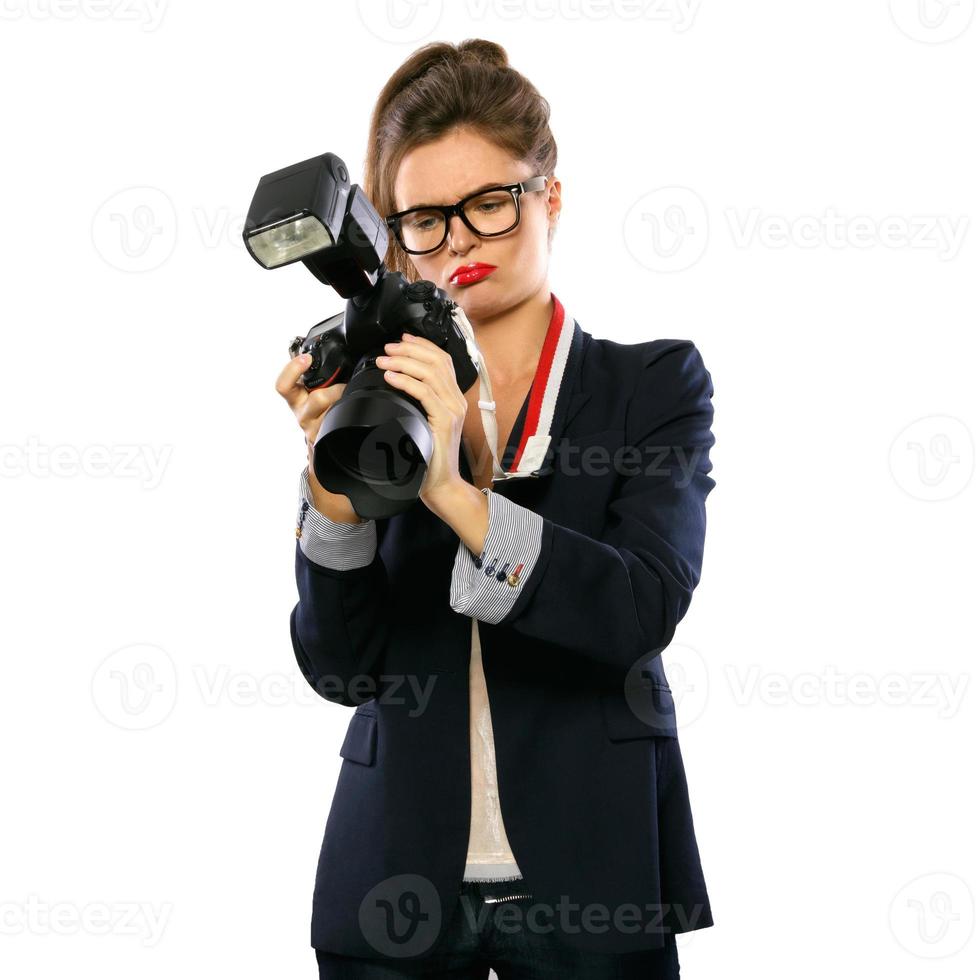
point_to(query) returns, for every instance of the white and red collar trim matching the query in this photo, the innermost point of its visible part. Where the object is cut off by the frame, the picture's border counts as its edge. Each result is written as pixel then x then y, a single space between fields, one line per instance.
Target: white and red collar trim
pixel 536 432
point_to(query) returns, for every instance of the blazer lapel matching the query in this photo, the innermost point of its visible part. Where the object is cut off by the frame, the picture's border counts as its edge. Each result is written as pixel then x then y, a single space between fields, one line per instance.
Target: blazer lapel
pixel 575 402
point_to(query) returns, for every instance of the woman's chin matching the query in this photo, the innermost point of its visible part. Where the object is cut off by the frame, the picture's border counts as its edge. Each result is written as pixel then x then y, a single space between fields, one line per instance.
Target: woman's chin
pixel 475 312
pixel 475 302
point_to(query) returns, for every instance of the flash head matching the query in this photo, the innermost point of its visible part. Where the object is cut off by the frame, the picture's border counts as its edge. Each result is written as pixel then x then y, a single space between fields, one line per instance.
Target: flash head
pixel 309 212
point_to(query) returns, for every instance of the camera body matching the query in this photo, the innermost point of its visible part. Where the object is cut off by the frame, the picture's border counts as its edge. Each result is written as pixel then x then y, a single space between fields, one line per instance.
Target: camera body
pixel 350 341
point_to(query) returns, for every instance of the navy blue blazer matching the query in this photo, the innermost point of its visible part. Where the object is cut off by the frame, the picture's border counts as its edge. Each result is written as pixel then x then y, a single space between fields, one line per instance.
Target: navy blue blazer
pixel 591 782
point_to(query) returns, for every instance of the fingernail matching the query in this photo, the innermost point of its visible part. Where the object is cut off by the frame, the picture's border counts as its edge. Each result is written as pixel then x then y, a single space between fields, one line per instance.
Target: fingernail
pixel 305 358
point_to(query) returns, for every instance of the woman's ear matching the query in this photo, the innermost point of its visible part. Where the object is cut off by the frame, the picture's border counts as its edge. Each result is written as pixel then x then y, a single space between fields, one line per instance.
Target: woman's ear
pixel 554 201
pixel 553 204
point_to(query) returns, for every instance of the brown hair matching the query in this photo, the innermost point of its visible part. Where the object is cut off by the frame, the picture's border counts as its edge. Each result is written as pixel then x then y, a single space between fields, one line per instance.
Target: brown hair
pixel 441 87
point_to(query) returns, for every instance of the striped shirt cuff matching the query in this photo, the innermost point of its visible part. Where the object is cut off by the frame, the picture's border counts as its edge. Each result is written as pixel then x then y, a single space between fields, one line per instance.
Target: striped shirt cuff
pixel 486 586
pixel 330 543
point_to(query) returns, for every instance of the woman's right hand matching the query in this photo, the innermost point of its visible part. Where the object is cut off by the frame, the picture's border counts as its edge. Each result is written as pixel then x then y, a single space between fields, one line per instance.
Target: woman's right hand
pixel 309 407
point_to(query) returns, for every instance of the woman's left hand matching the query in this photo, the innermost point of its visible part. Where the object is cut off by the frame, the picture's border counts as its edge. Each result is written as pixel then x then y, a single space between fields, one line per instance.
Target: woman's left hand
pixel 418 367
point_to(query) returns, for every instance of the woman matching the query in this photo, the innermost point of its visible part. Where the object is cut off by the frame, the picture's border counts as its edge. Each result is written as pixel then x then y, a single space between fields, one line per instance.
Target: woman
pixel 541 572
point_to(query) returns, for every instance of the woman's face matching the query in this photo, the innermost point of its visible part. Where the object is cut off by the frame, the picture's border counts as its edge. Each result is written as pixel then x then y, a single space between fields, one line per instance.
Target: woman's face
pixel 454 166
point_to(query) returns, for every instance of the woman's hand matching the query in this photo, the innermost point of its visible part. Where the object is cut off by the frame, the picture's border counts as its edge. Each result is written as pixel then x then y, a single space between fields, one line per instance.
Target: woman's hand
pixel 309 407
pixel 418 367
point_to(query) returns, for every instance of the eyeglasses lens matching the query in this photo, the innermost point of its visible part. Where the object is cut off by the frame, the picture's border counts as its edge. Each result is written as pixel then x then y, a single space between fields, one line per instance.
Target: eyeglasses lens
pixel 491 214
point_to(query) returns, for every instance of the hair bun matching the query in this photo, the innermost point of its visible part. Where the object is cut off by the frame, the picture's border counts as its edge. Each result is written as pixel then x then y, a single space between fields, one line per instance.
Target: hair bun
pixel 487 52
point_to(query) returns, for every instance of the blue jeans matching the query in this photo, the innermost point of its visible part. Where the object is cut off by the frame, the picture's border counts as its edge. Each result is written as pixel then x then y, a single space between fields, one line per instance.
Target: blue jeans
pixel 480 939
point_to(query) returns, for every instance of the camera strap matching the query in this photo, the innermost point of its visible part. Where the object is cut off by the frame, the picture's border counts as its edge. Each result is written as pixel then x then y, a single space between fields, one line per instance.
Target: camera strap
pixel 488 407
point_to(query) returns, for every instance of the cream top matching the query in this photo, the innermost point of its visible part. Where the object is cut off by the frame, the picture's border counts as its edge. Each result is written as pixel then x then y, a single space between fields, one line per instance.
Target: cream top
pixel 489 854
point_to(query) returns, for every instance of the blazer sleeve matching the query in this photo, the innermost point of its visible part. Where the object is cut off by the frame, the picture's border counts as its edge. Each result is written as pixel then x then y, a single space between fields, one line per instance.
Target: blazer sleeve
pixel 339 628
pixel 620 596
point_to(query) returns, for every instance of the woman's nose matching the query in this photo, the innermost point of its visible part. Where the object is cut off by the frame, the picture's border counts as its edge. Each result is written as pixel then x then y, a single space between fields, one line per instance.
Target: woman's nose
pixel 460 237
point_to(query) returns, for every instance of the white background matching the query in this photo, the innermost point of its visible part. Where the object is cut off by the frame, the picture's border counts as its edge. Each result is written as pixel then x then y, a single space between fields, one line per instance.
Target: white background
pixel 791 186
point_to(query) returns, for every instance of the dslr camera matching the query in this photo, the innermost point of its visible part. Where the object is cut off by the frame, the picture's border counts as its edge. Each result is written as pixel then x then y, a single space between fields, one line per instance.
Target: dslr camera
pixel 375 442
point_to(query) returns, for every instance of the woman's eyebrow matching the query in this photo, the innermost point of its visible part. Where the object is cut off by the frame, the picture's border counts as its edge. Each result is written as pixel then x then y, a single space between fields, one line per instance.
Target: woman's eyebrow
pixel 475 190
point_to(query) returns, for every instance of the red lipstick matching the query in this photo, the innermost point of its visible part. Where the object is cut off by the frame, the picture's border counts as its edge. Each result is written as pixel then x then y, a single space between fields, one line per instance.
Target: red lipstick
pixel 470 273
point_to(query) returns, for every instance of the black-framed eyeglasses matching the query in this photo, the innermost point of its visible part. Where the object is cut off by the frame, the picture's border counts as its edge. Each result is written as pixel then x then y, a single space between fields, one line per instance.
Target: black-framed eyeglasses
pixel 490 212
